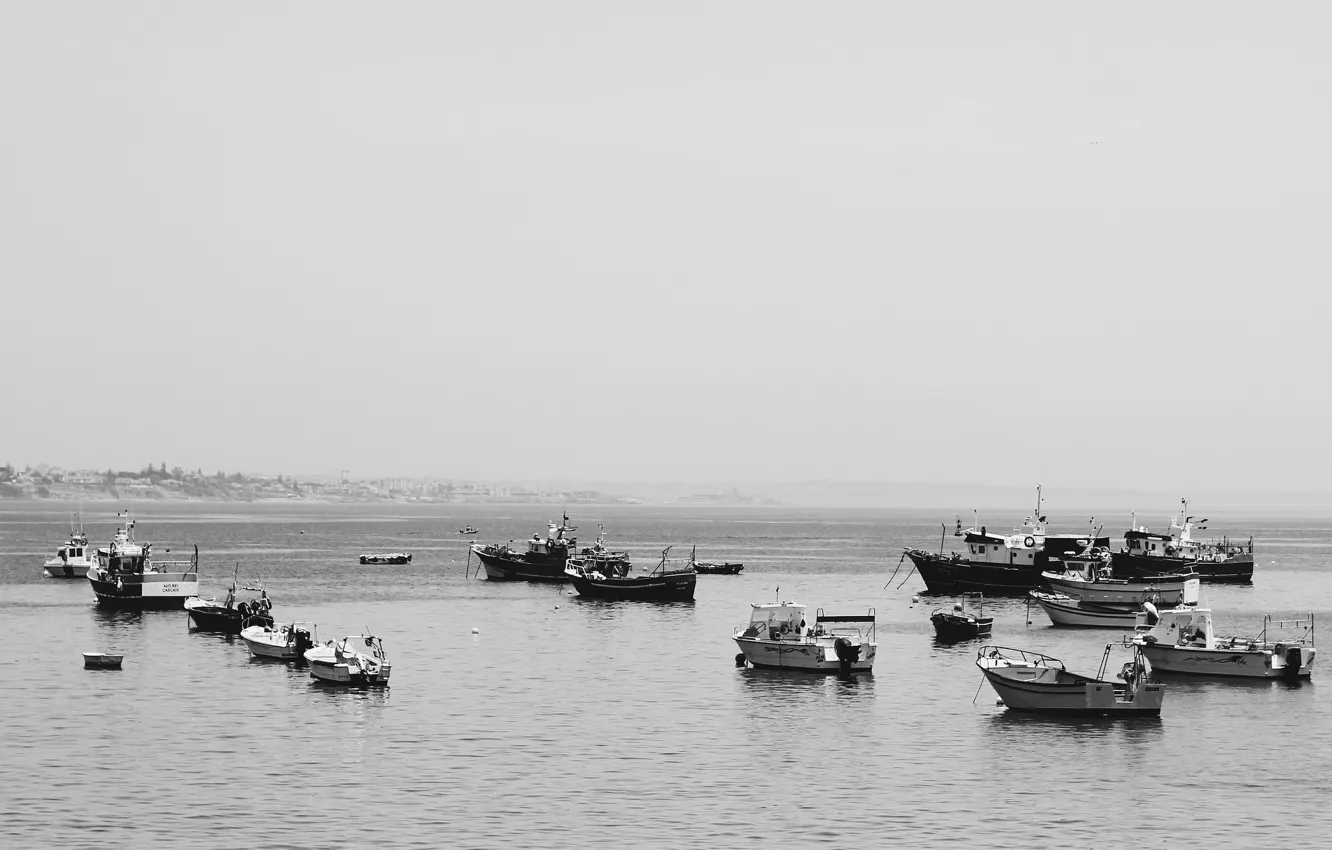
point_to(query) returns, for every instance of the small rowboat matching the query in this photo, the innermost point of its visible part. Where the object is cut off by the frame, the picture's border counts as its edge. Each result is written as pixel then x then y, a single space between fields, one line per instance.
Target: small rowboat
pixel 102 660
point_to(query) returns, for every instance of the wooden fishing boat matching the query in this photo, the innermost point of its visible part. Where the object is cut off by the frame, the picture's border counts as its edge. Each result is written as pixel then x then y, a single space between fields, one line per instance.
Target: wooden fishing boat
pixel 670 580
pixel 966 620
pixel 725 569
pixel 1032 681
pixel 1070 611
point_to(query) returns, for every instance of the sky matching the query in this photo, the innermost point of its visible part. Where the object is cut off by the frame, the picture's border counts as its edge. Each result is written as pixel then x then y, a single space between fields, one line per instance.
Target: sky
pixel 966 243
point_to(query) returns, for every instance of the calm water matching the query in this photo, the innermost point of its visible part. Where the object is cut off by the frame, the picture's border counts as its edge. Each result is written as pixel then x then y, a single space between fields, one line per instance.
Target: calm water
pixel 573 723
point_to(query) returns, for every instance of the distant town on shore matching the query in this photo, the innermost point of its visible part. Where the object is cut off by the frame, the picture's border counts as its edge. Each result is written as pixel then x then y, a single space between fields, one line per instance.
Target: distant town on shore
pixel 158 483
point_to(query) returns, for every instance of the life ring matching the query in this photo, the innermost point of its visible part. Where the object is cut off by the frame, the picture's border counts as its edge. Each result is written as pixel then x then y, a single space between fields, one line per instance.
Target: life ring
pixel 1030 542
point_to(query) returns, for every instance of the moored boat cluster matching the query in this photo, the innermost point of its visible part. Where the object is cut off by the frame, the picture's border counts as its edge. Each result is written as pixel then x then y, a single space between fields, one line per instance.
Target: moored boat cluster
pixel 127 575
pixel 1153 585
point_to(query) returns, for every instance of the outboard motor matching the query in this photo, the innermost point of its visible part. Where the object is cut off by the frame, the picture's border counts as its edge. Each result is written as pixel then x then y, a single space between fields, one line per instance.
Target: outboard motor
pixel 1294 658
pixel 303 641
pixel 847 652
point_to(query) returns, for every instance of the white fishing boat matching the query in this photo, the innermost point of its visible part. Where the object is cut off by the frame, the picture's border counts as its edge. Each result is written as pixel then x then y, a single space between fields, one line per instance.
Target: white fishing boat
pixel 75 558
pixel 778 635
pixel 1070 611
pixel 1092 581
pixel 284 641
pixel 1032 681
pixel 1182 640
pixel 353 660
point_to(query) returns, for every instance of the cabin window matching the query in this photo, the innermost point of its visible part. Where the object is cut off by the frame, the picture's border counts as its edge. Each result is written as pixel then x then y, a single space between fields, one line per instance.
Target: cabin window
pixel 1030 555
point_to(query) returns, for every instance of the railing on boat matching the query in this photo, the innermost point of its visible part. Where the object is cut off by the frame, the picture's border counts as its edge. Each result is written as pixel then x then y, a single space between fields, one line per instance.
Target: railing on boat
pixel 820 618
pixel 1306 623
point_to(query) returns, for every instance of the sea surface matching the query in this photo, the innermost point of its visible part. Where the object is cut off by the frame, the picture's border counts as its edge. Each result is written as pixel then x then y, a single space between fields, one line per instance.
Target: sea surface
pixel 522 716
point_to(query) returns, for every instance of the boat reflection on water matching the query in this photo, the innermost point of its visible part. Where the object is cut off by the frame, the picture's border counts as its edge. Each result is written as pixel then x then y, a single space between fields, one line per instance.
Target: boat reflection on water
pixel 780 684
pixel 1146 729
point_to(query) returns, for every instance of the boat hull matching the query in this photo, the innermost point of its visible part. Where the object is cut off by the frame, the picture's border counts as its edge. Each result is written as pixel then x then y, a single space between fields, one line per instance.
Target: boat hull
pixel 950 576
pixel 1049 691
pixel 337 673
pixel 1120 592
pixel 500 568
pixel 56 568
pixel 161 591
pixel 668 588
pixel 102 661
pixel 263 649
pixel 1071 612
pixel 804 656
pixel 1236 569
pixel 954 629
pixel 726 569
pixel 1233 662
pixel 218 618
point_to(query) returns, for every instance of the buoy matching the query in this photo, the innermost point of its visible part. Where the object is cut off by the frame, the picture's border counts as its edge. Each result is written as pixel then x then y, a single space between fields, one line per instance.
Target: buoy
pixel 557 607
pixel 915 599
pixel 739 659
pixel 476 631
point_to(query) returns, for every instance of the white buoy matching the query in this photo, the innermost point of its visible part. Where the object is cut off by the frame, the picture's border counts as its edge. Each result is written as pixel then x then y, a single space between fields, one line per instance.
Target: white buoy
pixel 557 607
pixel 915 599
pixel 476 631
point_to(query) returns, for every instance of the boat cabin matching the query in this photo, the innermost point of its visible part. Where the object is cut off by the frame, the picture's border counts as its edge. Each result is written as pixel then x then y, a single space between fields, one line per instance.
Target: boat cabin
pixel 1187 624
pixel 777 621
pixel 1017 549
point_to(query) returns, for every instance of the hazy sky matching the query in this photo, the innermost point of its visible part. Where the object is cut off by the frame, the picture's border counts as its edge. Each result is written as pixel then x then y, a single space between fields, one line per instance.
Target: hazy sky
pixel 1085 244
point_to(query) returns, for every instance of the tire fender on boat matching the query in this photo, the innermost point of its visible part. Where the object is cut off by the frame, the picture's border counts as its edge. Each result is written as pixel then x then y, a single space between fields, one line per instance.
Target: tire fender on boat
pixel 1030 542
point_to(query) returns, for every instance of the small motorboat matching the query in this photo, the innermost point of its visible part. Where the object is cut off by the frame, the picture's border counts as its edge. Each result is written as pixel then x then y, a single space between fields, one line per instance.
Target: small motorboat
pixel 283 641
pixel 1032 681
pixel 1182 640
pixel 468 530
pixel 353 660
pixel 779 636
pixel 965 622
pixel 229 616
pixel 1071 611
pixel 102 660
pixel 725 569
pixel 387 558
pixel 671 580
